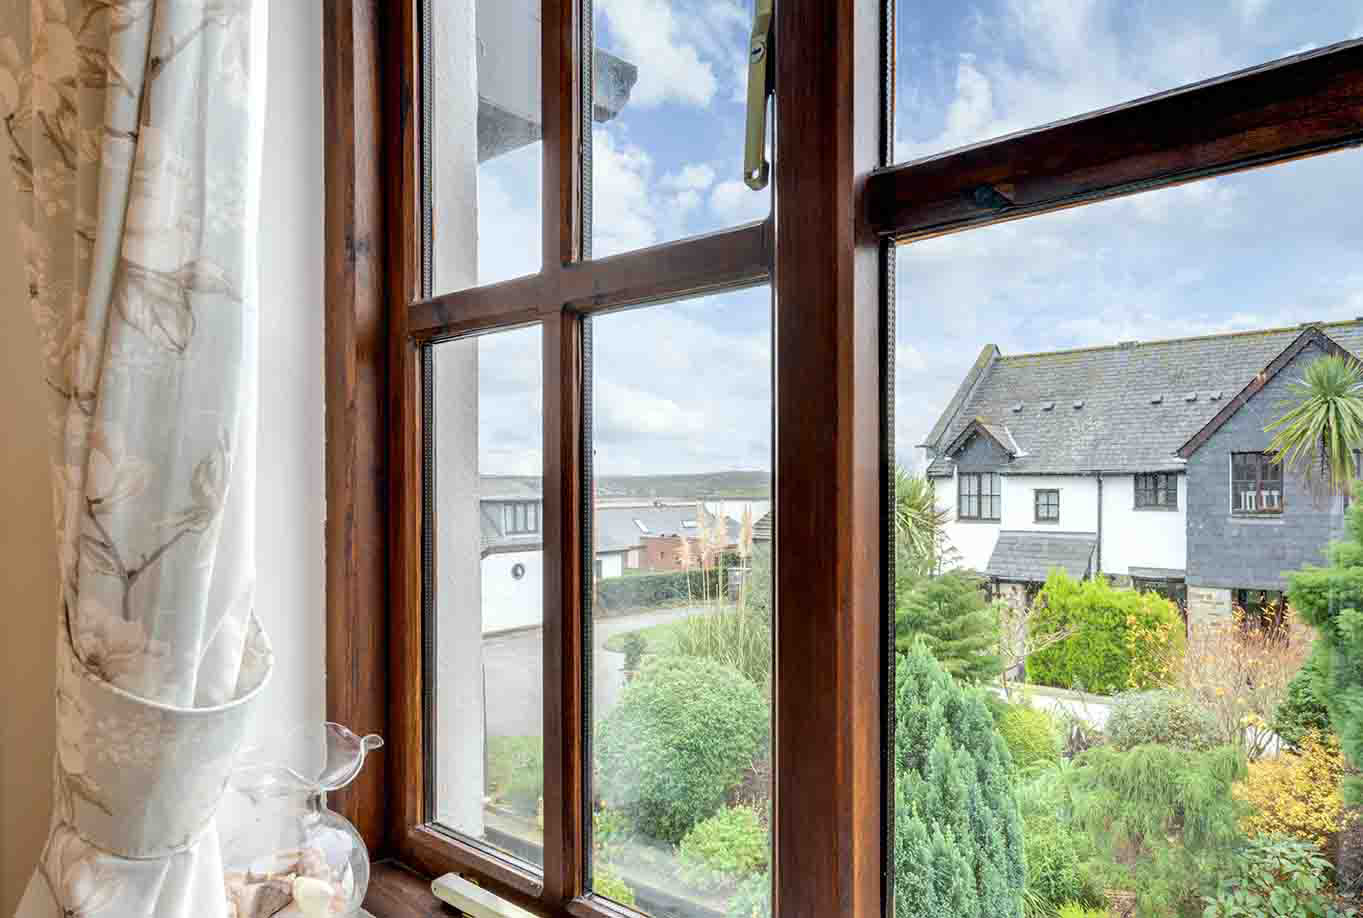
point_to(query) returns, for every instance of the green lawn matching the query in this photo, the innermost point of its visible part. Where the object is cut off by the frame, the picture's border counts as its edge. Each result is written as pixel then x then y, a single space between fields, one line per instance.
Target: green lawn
pixel 657 638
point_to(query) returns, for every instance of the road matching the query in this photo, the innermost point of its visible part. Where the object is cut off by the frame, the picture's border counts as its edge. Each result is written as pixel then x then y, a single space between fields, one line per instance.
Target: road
pixel 513 667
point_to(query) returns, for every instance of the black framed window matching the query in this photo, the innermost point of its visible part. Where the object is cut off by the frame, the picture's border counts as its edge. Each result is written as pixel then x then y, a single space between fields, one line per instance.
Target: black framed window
pixel 1256 484
pixel 1158 490
pixel 1046 503
pixel 522 518
pixel 978 496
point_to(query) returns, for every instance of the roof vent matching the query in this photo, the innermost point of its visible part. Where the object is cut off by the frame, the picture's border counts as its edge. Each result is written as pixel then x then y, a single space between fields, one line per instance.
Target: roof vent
pixel 1156 399
pixel 1017 407
pixel 1127 345
pixel 1215 396
pixel 1048 406
pixel 1079 404
pixel 1190 397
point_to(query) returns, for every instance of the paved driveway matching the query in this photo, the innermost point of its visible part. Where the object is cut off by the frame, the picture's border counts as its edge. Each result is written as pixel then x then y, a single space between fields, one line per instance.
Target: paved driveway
pixel 513 669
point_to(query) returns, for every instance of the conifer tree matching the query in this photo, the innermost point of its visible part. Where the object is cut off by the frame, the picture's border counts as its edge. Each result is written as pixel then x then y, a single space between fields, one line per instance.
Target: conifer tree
pixel 951 616
pixel 958 834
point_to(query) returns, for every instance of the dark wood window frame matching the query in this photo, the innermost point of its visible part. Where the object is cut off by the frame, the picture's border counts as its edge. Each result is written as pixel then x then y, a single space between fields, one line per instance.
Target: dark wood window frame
pixel 827 255
pixel 1156 491
pixel 1046 505
pixel 973 489
pixel 1263 464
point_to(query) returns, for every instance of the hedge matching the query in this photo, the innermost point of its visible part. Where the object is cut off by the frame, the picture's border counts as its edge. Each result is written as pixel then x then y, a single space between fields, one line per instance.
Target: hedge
pixel 616 594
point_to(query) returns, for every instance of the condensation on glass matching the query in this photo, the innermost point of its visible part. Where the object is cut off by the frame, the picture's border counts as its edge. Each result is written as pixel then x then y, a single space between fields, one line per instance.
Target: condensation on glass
pixel 486 612
pixel 680 605
pixel 668 111
pixel 1072 453
pixel 972 72
pixel 484 143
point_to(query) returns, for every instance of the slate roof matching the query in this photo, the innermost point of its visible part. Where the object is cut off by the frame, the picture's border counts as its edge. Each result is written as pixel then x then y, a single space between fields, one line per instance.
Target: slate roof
pixel 619 528
pixel 1138 402
pixel 1031 556
pixel 761 530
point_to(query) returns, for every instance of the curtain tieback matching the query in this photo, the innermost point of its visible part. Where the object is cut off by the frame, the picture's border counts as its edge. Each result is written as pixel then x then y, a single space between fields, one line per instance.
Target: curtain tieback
pixel 140 779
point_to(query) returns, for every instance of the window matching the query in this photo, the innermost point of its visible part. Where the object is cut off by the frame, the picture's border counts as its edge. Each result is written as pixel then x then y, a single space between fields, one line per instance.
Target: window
pixel 1047 505
pixel 1256 484
pixel 522 518
pixel 618 173
pixel 978 495
pixel 1157 490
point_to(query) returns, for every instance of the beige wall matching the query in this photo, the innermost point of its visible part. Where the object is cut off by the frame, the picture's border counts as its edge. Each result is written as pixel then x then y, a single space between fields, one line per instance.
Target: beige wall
pixel 290 480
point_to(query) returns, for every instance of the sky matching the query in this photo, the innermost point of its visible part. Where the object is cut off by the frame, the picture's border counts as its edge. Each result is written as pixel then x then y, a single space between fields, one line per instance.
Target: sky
pixel 687 387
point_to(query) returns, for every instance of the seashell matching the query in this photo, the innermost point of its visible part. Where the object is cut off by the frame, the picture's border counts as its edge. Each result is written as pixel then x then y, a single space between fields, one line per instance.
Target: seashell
pixel 313 896
pixel 264 900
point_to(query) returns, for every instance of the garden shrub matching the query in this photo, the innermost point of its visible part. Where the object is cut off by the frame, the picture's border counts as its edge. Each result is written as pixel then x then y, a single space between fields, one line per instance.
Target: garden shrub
pixel 616 594
pixel 958 833
pixel 1123 640
pixel 515 771
pixel 753 899
pixel 725 848
pixel 1032 735
pixel 1303 710
pixel 1054 873
pixel 681 737
pixel 606 881
pixel 1076 910
pixel 1297 794
pixel 1274 877
pixel 1163 716
pixel 950 615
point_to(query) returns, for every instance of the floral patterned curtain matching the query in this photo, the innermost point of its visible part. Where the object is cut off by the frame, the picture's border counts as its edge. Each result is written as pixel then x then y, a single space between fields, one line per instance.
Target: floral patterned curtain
pixel 133 130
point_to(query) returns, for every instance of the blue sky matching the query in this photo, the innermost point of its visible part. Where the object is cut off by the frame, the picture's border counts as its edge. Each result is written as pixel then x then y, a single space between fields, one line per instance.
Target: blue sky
pixel 686 387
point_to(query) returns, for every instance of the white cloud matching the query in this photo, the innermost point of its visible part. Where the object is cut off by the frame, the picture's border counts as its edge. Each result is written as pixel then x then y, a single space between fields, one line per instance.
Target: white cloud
pixel 1250 10
pixel 734 202
pixel 671 69
pixel 692 177
pixel 624 215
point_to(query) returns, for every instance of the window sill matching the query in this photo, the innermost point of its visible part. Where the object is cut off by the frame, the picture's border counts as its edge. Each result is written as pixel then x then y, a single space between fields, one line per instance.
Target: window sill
pixel 1046 522
pixel 976 520
pixel 1155 509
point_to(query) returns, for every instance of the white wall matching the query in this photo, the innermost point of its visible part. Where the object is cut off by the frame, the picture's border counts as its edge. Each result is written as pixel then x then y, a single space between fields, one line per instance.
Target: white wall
pixel 290 480
pixel 1078 502
pixel 970 542
pixel 508 602
pixel 612 564
pixel 1145 538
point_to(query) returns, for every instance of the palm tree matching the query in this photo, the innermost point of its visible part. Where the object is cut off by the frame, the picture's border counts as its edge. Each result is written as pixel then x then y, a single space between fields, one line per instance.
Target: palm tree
pixel 1322 425
pixel 918 522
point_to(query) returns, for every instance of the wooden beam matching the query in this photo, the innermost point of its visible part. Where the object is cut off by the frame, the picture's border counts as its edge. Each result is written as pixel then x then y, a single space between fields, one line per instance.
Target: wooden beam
pixel 356 332
pixel 1307 104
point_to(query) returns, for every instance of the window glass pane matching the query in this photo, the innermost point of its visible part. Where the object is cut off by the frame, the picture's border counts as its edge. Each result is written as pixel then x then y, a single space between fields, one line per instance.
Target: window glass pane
pixel 1101 344
pixel 484 138
pixel 488 463
pixel 670 91
pixel 969 72
pixel 681 605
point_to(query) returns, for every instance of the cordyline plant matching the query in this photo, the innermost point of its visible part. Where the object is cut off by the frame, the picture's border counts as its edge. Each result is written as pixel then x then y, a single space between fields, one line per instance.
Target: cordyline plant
pixel 919 524
pixel 1322 425
pixel 1239 669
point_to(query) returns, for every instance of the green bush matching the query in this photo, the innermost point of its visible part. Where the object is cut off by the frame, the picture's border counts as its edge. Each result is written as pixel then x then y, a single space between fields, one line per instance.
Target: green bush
pixel 615 594
pixel 1031 734
pixel 951 616
pixel 1273 877
pixel 1054 873
pixel 958 833
pixel 731 636
pixel 606 881
pixel 1303 711
pixel 1076 910
pixel 681 737
pixel 729 846
pixel 1124 639
pixel 635 645
pixel 753 899
pixel 515 771
pixel 1165 716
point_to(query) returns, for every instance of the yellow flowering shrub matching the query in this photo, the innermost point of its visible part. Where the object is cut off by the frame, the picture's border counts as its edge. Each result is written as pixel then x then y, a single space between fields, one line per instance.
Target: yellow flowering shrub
pixel 1296 794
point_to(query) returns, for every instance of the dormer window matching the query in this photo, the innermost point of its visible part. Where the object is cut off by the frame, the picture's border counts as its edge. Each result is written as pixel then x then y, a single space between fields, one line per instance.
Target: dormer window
pixel 978 496
pixel 522 518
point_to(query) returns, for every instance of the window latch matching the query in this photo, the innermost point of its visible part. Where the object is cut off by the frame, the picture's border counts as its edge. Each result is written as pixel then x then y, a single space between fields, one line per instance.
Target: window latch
pixel 761 73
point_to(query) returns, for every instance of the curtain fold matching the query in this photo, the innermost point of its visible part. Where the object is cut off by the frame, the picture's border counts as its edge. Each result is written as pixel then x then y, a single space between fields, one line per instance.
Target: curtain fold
pixel 133 132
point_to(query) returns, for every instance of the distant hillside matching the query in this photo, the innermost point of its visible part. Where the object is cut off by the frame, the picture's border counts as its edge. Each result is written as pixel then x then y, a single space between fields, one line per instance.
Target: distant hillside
pixel 702 485
pixel 711 485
